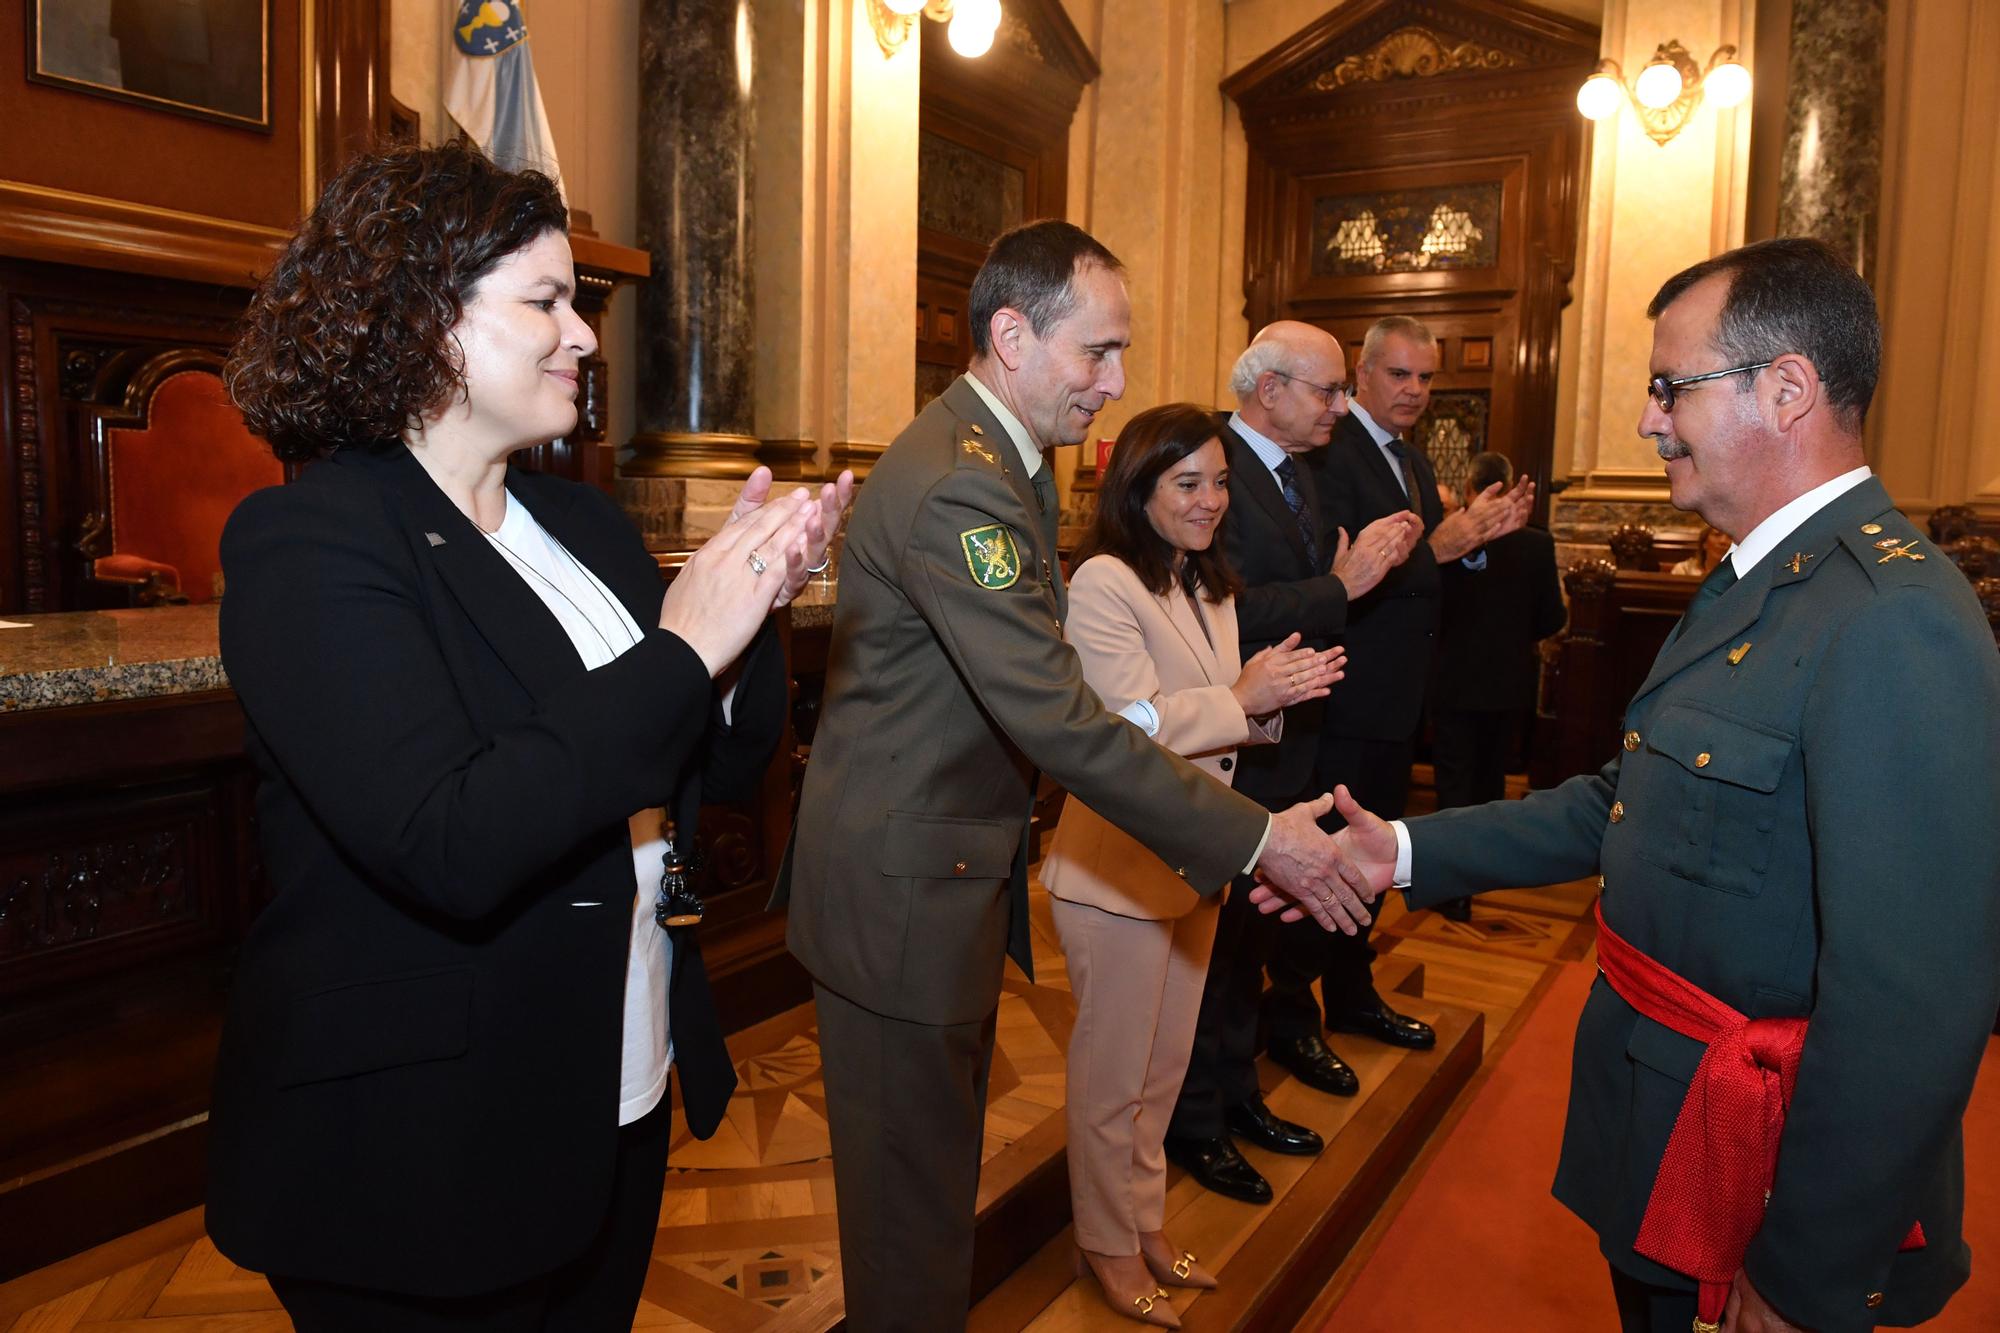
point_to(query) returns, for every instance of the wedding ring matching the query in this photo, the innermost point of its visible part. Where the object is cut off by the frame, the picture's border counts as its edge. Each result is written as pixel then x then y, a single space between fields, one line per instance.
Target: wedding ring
pixel 757 565
pixel 820 568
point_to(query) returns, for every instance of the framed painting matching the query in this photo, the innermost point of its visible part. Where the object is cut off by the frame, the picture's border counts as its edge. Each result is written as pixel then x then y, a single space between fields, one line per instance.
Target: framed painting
pixel 209 59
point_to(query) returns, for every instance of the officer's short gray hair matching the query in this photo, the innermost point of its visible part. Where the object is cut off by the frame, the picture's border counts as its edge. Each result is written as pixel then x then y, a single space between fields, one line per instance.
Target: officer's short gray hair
pixel 1250 367
pixel 1395 326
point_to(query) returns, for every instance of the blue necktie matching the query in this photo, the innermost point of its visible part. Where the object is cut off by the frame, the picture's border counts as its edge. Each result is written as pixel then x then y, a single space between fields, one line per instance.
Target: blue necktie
pixel 1402 452
pixel 1295 499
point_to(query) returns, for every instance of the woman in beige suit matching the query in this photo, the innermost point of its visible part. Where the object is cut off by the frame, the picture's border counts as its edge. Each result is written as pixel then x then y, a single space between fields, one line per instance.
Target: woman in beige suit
pixel 1152 616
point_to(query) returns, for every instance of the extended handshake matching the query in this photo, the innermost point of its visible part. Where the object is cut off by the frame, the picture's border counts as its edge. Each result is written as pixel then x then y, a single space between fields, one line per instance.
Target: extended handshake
pixel 1329 877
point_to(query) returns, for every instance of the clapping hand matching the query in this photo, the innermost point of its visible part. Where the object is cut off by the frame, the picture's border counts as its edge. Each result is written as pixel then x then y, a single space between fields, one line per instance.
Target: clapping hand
pixel 725 590
pixel 1382 545
pixel 1494 512
pixel 834 498
pixel 1285 674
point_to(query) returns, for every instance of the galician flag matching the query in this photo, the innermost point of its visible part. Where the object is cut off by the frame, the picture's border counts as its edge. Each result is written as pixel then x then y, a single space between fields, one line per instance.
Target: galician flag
pixel 493 94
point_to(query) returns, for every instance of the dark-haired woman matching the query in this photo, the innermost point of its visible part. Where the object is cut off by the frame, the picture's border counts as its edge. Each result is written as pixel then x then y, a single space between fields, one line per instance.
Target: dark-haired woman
pixel 441 1097
pixel 1152 616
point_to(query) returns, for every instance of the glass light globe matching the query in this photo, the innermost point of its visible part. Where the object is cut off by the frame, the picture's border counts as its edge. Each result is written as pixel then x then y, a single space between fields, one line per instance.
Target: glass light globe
pixel 1726 85
pixel 969 40
pixel 1659 85
pixel 1599 97
pixel 977 13
pixel 903 7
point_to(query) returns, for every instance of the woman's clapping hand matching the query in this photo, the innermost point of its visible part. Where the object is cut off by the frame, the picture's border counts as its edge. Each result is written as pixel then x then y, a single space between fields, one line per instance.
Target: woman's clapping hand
pixel 1285 674
pixel 725 590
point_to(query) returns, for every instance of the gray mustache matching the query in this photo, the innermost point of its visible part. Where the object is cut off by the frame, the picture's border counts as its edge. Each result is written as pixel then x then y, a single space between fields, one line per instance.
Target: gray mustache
pixel 1669 450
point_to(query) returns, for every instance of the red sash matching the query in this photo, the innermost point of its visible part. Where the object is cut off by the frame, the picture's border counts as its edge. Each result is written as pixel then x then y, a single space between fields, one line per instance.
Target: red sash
pixel 1708 1199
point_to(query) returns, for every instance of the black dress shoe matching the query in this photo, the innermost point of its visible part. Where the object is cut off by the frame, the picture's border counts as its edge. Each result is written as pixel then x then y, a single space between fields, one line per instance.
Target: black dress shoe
pixel 1253 1122
pixel 1454 909
pixel 1312 1064
pixel 1385 1025
pixel 1217 1165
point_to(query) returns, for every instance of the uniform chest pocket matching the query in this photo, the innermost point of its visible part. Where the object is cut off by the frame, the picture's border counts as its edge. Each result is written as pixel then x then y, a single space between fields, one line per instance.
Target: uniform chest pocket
pixel 1726 778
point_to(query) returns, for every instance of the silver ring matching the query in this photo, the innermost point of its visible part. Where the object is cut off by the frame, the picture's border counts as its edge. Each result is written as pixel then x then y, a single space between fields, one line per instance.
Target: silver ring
pixel 820 568
pixel 757 565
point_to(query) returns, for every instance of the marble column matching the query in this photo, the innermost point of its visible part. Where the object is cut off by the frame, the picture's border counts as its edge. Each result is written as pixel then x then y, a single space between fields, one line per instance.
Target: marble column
pixel 1832 176
pixel 695 374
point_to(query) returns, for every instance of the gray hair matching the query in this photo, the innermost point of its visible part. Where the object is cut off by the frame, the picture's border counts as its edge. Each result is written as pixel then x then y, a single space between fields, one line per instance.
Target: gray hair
pixel 1256 359
pixel 1395 326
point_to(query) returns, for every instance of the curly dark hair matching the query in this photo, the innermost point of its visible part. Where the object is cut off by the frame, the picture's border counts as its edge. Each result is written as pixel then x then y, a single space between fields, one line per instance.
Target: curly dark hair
pixel 347 341
pixel 1151 443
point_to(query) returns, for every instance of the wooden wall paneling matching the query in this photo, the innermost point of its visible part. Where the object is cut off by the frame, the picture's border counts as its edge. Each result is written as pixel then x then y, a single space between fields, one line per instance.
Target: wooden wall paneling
pixel 1411 94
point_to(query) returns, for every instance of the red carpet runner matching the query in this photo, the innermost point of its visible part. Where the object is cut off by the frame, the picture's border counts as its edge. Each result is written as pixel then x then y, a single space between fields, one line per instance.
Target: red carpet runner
pixel 1480 1244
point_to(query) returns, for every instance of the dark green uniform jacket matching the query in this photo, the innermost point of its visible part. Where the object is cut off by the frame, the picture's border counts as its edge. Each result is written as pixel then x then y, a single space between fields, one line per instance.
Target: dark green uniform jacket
pixel 1803 818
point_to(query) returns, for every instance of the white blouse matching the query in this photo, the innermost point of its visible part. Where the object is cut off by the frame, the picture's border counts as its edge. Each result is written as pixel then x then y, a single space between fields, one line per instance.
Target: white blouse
pixel 602 630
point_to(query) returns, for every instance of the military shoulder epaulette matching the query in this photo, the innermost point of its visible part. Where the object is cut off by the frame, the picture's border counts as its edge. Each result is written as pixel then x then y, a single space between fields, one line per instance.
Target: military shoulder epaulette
pixel 975 446
pixel 1891 549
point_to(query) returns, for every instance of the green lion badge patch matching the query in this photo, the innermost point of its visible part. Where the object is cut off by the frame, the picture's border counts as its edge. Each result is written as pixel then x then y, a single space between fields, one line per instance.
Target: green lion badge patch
pixel 991 556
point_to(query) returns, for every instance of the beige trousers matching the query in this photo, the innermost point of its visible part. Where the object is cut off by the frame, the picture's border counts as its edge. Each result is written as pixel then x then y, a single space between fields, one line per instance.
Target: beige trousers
pixel 1138 991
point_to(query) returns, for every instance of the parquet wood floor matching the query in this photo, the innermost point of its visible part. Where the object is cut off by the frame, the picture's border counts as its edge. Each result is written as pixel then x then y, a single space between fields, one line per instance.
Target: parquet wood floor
pixel 747 1236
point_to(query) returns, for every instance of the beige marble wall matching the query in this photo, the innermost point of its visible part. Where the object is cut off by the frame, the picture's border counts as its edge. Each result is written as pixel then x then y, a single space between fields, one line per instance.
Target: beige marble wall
pixel 1932 432
pixel 1653 209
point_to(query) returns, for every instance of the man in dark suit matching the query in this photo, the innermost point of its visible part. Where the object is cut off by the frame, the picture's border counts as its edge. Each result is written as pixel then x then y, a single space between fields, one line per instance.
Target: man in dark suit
pixel 1795 841
pixel 948 687
pixel 1290 388
pixel 1366 740
pixel 1483 691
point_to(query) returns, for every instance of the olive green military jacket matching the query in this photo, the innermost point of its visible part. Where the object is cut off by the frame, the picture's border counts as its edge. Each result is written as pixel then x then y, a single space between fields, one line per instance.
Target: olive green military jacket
pixel 948 686
pixel 1803 819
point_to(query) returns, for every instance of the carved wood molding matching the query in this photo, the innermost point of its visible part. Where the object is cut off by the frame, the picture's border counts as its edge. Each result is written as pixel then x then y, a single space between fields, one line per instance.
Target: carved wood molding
pixel 61 227
pixel 1414 52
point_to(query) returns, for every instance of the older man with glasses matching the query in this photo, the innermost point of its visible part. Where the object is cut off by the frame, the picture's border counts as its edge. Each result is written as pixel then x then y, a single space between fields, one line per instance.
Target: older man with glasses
pixel 1799 935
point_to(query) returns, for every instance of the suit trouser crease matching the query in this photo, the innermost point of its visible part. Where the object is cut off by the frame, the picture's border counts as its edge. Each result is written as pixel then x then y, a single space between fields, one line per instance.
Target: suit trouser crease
pixel 906 1108
pixel 1138 985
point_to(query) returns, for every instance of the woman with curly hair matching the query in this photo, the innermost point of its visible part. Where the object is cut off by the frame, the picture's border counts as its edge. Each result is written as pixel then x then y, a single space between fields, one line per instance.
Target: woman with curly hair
pixel 474 713
pixel 1152 616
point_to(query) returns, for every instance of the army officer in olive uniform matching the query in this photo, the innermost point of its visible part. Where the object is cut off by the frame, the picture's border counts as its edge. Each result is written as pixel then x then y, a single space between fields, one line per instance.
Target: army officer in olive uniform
pixel 1800 823
pixel 948 687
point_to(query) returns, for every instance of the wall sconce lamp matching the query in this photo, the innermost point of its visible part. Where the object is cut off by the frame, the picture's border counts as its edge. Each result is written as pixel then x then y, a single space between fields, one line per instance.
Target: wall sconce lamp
pixel 1667 91
pixel 970 23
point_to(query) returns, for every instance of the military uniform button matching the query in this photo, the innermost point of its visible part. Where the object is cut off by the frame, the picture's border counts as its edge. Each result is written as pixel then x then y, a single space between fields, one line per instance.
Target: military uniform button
pixel 1618 812
pixel 1871 528
pixel 1701 760
pixel 958 868
pixel 1873 1300
pixel 1631 741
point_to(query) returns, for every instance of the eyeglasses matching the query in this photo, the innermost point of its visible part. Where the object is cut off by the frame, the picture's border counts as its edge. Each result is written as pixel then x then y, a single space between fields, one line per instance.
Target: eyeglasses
pixel 1661 389
pixel 1328 393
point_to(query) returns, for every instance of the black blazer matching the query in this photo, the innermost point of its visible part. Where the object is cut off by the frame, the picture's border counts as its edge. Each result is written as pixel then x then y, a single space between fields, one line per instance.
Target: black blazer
pixel 418 1083
pixel 1282 593
pixel 1491 621
pixel 1392 632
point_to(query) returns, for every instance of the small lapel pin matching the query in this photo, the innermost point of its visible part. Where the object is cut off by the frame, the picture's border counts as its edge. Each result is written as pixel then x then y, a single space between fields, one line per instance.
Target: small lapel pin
pixel 1904 551
pixel 1798 561
pixel 1739 652
pixel 433 539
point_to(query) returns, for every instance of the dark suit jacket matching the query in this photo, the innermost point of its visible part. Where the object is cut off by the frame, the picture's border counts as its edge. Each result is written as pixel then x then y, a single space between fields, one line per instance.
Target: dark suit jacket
pixel 1491 621
pixel 1801 822
pixel 1392 632
pixel 945 692
pixel 418 1081
pixel 1282 593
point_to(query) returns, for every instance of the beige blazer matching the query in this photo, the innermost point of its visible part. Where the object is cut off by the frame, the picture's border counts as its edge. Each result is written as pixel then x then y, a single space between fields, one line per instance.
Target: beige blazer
pixel 1135 645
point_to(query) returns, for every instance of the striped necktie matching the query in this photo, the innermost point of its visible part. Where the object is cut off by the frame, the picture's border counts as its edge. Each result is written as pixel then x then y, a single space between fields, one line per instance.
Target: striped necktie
pixel 1295 500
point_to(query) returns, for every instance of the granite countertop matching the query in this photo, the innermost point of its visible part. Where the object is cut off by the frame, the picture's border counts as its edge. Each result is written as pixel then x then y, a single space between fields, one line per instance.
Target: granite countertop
pixel 83 657
pixel 67 658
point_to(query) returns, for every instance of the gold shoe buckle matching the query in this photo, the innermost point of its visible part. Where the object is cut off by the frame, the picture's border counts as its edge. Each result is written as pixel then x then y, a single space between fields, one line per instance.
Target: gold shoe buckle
pixel 1184 1265
pixel 1145 1303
